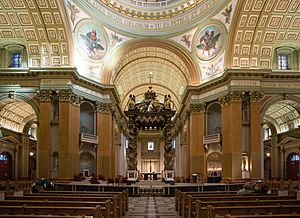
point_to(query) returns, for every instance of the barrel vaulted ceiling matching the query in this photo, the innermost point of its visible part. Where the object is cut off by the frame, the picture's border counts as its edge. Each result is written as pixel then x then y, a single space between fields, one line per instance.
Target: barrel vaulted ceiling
pixel 260 27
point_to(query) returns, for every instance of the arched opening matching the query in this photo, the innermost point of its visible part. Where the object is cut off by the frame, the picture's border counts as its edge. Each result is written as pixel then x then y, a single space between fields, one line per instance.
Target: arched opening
pixel 280 127
pixel 13 55
pixel 293 166
pixel 88 139
pixel 214 119
pixel 18 117
pixel 87 118
pixel 214 167
pixel 87 163
pixel 6 167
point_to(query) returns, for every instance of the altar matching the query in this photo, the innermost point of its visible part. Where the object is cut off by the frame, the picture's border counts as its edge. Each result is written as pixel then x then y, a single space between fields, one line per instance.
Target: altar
pixel 151 176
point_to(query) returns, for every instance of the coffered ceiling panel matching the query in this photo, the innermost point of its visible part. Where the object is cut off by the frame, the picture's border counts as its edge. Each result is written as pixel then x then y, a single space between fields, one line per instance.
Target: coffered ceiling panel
pixel 38 25
pixel 261 27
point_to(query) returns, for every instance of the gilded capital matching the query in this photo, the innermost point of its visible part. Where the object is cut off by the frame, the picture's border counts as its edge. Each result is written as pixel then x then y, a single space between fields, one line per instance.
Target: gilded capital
pixel 256 96
pixel 68 95
pixel 44 95
pixel 194 108
pixel 235 96
pixel 104 107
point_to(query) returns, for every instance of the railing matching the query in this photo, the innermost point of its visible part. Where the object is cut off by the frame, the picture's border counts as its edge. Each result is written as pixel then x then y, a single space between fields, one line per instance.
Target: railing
pixel 89 138
pixel 213 138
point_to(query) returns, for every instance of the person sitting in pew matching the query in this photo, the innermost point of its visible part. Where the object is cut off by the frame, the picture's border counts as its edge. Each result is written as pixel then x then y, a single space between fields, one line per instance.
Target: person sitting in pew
pixel 246 190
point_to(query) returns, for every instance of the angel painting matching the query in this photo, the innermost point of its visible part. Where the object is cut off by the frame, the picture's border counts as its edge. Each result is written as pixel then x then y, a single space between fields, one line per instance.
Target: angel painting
pixel 115 39
pixel 186 38
pixel 92 42
pixel 227 14
pixel 74 12
pixel 211 69
pixel 210 43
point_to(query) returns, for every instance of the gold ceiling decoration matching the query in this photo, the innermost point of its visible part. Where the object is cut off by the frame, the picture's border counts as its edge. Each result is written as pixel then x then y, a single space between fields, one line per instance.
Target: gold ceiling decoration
pixel 284 115
pixel 38 25
pixel 171 73
pixel 15 114
pixel 259 28
pixel 151 10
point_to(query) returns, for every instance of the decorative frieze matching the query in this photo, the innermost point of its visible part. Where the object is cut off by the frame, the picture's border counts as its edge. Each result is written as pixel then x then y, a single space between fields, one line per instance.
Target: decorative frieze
pixel 104 107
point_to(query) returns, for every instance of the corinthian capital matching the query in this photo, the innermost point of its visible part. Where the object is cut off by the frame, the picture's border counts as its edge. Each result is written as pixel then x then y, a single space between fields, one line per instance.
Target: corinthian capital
pixel 44 95
pixel 68 95
pixel 256 96
pixel 194 108
pixel 104 107
pixel 235 96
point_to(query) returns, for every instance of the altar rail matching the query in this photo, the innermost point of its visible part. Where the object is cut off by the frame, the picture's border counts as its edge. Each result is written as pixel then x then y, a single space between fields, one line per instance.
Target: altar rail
pixel 134 190
pixel 171 189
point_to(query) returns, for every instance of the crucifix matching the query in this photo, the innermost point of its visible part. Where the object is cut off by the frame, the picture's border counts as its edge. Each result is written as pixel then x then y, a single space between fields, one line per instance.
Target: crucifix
pixel 150 77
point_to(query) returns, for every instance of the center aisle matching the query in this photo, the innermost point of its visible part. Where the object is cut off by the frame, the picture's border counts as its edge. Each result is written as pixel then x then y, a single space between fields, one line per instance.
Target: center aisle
pixel 151 206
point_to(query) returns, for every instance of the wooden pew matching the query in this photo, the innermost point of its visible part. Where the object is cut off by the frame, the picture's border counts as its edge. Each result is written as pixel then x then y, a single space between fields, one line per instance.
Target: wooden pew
pixel 260 216
pixel 201 207
pixel 191 202
pixel 95 212
pixel 122 196
pixel 46 202
pixel 181 198
pixel 239 210
pixel 73 200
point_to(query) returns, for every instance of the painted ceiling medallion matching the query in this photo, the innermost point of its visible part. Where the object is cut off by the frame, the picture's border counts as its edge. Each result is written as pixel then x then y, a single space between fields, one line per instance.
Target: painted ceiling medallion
pixel 209 42
pixel 91 41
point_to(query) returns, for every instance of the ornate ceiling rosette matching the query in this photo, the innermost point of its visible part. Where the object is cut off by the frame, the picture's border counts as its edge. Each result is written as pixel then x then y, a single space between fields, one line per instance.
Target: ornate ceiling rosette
pixel 151 18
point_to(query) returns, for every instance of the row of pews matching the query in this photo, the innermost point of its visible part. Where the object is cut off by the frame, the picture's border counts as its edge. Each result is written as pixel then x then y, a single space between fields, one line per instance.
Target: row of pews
pixel 221 204
pixel 67 204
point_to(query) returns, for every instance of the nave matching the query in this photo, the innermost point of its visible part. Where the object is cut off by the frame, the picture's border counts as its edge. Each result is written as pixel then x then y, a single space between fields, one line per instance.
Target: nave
pixel 152 207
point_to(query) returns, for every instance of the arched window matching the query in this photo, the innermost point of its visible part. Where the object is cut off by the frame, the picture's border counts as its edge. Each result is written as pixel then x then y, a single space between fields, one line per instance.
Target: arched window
pixel 293 166
pixel 282 62
pixel 286 58
pixel 13 55
pixel 5 166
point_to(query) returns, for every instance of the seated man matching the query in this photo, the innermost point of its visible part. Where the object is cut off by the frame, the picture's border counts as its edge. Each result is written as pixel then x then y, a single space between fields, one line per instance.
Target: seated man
pixel 246 190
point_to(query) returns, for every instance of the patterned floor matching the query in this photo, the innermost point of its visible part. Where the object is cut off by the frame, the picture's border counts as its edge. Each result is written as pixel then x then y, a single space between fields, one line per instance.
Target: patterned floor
pixel 151 206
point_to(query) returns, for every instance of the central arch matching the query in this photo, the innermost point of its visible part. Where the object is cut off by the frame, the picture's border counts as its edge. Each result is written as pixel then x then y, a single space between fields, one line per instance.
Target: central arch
pixel 129 67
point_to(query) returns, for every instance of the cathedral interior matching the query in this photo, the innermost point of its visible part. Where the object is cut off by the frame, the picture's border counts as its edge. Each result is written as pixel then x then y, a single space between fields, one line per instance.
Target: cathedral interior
pixel 158 88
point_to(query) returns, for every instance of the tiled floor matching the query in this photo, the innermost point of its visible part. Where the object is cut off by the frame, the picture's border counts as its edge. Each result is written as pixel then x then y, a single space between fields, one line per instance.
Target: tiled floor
pixel 151 206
